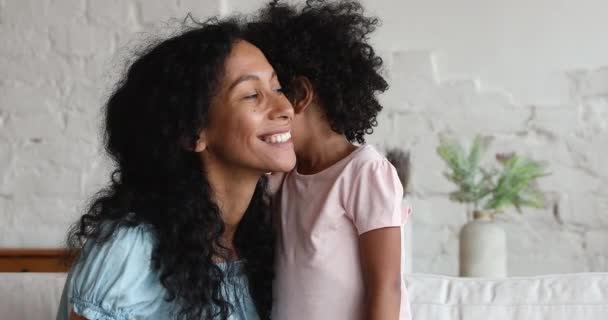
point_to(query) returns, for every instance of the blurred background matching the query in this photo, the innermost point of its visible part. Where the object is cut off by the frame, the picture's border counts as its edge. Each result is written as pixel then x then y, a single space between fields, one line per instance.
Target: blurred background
pixel 531 75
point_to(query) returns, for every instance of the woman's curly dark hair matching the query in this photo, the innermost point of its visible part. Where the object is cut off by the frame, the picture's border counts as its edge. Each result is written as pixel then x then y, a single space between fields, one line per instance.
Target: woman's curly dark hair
pixel 326 42
pixel 152 121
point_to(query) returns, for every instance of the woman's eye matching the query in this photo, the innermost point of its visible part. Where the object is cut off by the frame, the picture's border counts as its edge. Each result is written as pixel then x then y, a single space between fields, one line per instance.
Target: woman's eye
pixel 251 96
pixel 279 90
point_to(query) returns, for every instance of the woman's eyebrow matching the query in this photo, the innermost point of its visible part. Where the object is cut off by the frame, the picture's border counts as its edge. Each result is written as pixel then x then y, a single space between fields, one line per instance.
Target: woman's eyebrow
pixel 249 77
pixel 243 78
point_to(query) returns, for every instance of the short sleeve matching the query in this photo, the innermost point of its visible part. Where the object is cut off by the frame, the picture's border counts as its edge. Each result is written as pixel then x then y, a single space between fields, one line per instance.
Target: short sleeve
pixel 375 199
pixel 114 280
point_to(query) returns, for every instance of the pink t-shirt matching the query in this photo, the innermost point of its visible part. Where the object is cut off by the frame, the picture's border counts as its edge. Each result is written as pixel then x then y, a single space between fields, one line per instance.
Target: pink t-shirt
pixel 320 218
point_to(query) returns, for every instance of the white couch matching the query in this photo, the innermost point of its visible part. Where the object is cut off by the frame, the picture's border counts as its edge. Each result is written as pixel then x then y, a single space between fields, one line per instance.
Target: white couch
pixel 35 296
pixel 581 296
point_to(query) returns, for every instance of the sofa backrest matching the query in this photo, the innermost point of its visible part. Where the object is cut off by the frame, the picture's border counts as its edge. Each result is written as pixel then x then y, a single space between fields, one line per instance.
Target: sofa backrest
pixel 30 295
pixel 35 296
pixel 556 297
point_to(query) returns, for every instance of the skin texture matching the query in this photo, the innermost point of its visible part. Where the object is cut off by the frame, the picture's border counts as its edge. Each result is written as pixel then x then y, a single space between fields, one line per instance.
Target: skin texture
pixel 248 106
pixel 380 261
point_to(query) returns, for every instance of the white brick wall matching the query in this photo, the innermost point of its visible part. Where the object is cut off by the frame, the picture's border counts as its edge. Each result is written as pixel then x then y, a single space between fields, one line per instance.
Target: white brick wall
pixel 59 58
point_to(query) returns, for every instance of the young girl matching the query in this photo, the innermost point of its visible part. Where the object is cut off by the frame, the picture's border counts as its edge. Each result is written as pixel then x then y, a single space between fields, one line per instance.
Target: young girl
pixel 182 230
pixel 339 211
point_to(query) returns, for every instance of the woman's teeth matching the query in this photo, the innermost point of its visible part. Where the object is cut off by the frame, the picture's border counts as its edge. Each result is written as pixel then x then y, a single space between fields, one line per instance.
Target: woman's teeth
pixel 278 138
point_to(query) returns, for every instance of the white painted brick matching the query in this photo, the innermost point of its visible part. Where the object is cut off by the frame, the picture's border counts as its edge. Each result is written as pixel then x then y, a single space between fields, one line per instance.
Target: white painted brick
pixel 413 64
pixel 74 154
pixel 433 240
pixel 29 236
pixel 400 129
pixel 410 127
pixel 20 13
pixel 82 39
pixel 247 7
pixel 36 125
pixel 538 249
pixel 596 241
pixel 467 111
pixel 7 156
pixel 439 211
pixel 596 249
pixel 565 179
pixel 201 8
pixel 25 99
pixel 456 95
pixel 112 13
pixel 40 179
pixel 590 154
pixel 428 168
pixel 33 71
pixel 428 239
pixel 594 116
pixel 536 145
pixel 153 13
pixel 98 73
pixel 590 83
pixel 530 265
pixel 24 41
pixel 584 209
pixel 384 129
pixel 559 121
pixel 598 263
pixel 96 176
pixel 60 12
pixel 413 86
pixel 45 211
pixel 444 264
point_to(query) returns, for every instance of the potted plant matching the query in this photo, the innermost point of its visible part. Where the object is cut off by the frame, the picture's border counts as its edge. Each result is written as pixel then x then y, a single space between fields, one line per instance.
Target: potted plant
pixel 487 192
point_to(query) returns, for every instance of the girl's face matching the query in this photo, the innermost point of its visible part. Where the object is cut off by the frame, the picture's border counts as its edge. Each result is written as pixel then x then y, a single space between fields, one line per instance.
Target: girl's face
pixel 250 118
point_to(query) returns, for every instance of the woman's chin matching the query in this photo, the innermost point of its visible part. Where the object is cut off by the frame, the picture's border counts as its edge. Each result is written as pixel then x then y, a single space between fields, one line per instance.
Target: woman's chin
pixel 283 166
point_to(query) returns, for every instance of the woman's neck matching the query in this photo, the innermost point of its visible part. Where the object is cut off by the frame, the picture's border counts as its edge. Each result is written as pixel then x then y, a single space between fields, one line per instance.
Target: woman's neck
pixel 232 191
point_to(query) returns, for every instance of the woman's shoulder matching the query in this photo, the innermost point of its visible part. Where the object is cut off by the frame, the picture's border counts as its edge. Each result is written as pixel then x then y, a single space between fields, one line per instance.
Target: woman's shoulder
pixel 121 239
pixel 123 248
pixel 125 252
pixel 116 276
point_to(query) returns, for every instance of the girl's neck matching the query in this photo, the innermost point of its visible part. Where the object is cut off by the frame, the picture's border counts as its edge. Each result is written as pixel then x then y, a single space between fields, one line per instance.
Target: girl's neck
pixel 322 151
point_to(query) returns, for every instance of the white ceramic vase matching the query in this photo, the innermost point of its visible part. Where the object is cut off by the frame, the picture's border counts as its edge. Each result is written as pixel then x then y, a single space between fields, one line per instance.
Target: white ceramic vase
pixel 483 248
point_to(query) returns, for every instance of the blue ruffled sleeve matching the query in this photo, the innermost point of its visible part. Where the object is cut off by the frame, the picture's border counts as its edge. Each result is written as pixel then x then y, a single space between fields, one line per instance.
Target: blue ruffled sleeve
pixel 115 280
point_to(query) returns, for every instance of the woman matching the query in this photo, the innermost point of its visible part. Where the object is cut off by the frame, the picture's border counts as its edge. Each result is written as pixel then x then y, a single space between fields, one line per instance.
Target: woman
pixel 182 231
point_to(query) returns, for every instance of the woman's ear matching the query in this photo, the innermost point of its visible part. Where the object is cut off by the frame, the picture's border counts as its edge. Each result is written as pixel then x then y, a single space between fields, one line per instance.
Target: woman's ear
pixel 201 142
pixel 303 94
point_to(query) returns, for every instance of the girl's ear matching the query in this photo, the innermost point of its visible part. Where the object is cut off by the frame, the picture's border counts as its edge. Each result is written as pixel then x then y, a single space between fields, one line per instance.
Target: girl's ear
pixel 303 94
pixel 201 142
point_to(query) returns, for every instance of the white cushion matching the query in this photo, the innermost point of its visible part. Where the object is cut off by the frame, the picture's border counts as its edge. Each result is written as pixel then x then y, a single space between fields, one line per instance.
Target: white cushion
pixel 581 296
pixel 31 296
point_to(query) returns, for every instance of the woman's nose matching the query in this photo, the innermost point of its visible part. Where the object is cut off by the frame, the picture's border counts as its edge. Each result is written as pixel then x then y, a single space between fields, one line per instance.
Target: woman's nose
pixel 281 108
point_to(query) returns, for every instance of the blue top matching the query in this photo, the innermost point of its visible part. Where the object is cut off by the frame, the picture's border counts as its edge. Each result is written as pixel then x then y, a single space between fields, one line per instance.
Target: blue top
pixel 116 281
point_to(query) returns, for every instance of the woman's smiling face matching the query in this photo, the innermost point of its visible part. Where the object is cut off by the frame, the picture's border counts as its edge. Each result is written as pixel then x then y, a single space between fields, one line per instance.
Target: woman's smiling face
pixel 249 124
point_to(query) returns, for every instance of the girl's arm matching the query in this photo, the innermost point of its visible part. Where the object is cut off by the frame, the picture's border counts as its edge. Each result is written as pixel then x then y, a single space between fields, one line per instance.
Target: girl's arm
pixel 380 252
